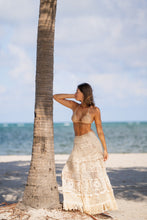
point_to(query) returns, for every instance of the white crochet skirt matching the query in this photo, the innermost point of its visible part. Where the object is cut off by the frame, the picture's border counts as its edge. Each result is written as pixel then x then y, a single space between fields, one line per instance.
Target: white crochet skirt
pixel 85 183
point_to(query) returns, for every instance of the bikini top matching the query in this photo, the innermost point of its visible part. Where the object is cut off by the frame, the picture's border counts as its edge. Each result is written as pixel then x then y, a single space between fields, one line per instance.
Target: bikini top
pixel 84 119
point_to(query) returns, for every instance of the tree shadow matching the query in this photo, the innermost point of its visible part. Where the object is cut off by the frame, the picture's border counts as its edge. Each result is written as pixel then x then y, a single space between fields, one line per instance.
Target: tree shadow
pixel 59 168
pixel 127 183
pixel 13 177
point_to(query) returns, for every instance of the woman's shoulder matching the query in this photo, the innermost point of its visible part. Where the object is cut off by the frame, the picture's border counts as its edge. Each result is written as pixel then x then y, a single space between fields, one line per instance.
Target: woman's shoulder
pixel 96 110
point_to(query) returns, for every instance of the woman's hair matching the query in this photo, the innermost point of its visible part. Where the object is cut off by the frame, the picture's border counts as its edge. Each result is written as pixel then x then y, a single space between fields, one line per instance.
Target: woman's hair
pixel 86 89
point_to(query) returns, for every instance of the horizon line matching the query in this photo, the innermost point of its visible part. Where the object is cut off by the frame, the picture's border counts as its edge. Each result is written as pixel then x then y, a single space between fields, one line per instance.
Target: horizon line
pixel 129 121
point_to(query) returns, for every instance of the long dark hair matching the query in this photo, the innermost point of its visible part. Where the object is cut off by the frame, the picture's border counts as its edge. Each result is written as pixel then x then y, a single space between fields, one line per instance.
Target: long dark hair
pixel 86 89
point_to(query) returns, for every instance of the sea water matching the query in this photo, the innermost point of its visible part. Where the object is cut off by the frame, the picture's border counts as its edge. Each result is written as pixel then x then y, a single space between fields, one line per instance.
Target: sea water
pixel 121 137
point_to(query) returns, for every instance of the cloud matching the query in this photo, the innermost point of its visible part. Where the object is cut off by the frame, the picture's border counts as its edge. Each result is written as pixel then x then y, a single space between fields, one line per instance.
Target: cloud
pixel 124 90
pixel 22 67
pixel 14 12
pixel 27 36
pixel 102 37
pixel 101 42
pixel 119 86
pixel 2 89
pixel 18 22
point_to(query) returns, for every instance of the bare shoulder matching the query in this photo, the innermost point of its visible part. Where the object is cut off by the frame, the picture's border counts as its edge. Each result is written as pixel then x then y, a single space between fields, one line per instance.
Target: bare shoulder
pixel 97 110
pixel 97 116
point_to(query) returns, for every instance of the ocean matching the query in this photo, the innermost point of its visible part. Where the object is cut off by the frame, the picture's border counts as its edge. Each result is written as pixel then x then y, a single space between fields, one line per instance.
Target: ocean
pixel 121 137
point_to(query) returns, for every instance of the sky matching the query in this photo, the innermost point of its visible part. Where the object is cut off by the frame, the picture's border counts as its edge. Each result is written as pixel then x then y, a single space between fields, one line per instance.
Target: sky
pixel 103 43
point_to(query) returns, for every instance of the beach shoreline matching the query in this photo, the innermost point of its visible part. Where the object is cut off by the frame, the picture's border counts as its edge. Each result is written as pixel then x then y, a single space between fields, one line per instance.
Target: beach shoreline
pixel 127 174
pixel 129 159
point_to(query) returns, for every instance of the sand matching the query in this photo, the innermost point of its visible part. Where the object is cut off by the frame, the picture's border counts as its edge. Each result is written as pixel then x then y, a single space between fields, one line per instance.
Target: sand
pixel 127 173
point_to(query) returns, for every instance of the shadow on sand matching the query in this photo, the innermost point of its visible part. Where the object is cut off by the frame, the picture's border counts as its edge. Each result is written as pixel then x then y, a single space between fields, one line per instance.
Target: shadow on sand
pixel 127 183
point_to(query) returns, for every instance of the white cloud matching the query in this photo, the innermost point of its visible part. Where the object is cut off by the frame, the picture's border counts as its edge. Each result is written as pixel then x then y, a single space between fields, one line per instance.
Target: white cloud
pixel 119 87
pixel 14 12
pixel 27 36
pixel 101 42
pixel 23 68
pixel 116 36
pixel 2 89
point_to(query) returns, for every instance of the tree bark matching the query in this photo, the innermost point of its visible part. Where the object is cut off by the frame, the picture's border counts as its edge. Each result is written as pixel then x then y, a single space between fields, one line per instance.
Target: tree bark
pixel 41 190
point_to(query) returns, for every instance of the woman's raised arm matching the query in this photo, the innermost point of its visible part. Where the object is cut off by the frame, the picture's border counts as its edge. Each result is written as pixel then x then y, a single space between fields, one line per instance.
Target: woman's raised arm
pixel 62 99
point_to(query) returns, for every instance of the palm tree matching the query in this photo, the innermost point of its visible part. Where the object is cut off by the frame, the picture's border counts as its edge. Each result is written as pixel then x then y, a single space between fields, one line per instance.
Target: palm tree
pixel 41 190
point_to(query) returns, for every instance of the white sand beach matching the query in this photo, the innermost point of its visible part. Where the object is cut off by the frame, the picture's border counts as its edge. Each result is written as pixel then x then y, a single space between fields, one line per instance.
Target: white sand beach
pixel 127 173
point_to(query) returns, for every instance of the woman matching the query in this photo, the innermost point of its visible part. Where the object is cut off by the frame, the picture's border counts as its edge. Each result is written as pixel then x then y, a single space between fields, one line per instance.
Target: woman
pixel 86 186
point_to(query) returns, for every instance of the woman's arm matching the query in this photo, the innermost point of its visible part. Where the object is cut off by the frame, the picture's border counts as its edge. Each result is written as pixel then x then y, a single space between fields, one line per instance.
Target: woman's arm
pixel 100 132
pixel 62 99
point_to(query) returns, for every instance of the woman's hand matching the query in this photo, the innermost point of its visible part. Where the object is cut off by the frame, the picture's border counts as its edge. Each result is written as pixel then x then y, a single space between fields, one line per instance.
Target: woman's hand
pixel 105 155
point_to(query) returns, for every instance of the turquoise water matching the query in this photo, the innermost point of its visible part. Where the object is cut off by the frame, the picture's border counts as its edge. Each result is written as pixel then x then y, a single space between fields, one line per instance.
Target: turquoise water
pixel 123 137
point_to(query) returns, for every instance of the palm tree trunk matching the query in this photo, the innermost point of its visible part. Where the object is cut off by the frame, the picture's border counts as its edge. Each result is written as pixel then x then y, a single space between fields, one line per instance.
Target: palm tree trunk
pixel 41 190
